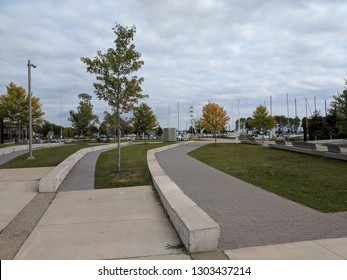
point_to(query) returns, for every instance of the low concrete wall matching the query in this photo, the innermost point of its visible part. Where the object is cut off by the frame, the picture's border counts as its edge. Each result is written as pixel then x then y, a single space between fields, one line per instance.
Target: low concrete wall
pixel 340 156
pixel 17 148
pixel 196 229
pixel 52 181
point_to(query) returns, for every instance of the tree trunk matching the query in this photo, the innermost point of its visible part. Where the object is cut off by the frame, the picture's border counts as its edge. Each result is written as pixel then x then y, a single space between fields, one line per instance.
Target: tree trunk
pixel 118 131
pixel 118 148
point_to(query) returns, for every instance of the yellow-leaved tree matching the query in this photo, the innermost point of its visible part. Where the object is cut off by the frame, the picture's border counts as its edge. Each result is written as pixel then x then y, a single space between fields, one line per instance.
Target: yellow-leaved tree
pixel 262 120
pixel 214 119
pixel 14 108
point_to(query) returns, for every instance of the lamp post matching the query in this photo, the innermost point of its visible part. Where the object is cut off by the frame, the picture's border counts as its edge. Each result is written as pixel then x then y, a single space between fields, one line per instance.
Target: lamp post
pixel 30 113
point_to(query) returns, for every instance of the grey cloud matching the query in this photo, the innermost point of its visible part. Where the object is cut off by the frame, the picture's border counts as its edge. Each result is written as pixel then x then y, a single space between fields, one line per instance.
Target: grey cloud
pixel 194 51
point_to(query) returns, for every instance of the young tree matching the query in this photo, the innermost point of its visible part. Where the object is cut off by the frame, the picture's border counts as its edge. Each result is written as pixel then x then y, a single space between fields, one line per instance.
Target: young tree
pixel 144 120
pixel 83 118
pixel 67 132
pixel 331 120
pixel 261 120
pixel 159 131
pixel 339 108
pixel 198 125
pixel 48 128
pixel 214 119
pixel 114 70
pixel 317 127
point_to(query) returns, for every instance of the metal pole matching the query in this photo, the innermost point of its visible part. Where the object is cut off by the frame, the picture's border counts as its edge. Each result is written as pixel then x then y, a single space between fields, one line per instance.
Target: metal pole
pixel 238 115
pixel 306 122
pixel 30 112
pixel 325 107
pixel 178 116
pixel 271 105
pixel 296 109
pixel 287 110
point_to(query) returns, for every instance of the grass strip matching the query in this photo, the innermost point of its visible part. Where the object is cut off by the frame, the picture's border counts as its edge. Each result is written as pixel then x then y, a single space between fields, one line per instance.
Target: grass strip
pixel 46 157
pixel 317 182
pixel 134 168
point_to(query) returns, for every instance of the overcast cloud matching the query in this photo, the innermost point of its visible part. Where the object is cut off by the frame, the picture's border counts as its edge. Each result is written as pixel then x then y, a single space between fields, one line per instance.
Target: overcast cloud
pixel 194 52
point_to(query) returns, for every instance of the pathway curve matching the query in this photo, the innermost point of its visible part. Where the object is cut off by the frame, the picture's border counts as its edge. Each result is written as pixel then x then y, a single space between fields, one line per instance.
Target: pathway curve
pixel 81 176
pixel 8 157
pixel 247 215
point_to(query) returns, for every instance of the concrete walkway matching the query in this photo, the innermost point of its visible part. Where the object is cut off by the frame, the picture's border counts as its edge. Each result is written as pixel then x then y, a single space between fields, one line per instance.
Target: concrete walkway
pixel 82 223
pixel 21 207
pixel 119 223
pixel 248 216
pixel 8 157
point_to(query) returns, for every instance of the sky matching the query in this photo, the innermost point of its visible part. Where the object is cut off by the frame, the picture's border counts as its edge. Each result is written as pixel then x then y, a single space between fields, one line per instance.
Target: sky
pixel 236 53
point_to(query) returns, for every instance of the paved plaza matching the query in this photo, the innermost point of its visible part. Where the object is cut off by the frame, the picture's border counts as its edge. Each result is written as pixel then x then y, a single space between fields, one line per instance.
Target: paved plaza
pixel 79 222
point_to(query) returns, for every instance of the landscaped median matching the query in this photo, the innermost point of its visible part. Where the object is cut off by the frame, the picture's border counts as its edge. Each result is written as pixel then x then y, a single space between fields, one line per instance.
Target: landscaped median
pixel 52 181
pixel 17 148
pixel 196 229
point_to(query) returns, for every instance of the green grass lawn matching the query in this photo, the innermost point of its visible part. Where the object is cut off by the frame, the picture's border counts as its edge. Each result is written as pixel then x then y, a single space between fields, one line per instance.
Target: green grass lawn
pixel 317 182
pixel 134 169
pixel 46 157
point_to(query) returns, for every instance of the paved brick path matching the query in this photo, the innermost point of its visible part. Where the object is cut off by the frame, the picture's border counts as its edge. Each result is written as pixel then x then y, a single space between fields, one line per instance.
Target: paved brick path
pixel 247 215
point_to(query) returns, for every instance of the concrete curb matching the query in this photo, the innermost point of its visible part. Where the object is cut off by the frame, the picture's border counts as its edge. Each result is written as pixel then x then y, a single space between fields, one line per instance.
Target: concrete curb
pixel 12 149
pixel 52 181
pixel 198 231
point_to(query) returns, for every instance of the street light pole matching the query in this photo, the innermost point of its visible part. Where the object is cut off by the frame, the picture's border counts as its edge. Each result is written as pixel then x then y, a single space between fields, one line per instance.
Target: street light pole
pixel 30 113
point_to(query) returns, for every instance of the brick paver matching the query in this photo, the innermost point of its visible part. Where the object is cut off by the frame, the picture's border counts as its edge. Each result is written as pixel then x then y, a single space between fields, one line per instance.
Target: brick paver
pixel 247 215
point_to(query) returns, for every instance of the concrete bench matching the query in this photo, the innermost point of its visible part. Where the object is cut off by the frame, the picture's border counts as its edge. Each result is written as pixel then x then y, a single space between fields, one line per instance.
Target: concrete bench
pixel 333 148
pixel 280 142
pixel 304 145
pixel 198 231
pixel 251 141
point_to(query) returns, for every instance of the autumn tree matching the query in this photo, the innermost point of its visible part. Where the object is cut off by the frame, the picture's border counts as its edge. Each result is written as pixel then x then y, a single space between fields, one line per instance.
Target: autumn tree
pixel 262 120
pixel 144 120
pixel 114 70
pixel 14 108
pixel 83 118
pixel 214 118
